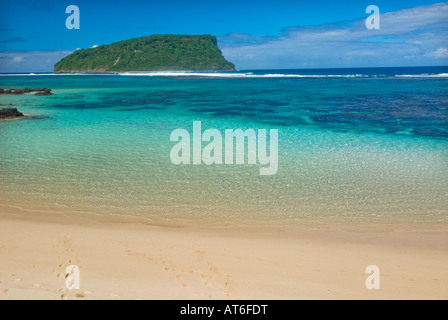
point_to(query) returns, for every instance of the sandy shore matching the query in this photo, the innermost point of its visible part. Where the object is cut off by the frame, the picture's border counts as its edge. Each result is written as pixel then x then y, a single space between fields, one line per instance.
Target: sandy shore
pixel 126 259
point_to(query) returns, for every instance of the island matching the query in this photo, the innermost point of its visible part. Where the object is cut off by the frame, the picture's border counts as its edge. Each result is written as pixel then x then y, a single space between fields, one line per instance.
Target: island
pixel 151 53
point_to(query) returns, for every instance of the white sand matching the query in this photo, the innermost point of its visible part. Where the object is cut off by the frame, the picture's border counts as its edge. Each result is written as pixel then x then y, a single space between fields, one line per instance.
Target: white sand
pixel 127 259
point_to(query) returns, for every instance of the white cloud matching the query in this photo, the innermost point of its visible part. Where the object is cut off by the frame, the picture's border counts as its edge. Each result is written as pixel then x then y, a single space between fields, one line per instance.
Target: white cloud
pixel 17 59
pixel 441 53
pixel 30 61
pixel 94 46
pixel 416 36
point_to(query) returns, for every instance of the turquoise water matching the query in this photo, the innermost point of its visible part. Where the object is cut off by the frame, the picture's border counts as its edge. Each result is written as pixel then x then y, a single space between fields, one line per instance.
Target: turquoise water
pixel 355 148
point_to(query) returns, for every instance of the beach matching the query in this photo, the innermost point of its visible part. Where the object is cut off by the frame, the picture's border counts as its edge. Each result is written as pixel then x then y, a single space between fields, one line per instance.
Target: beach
pixel 123 258
pixel 360 180
pixel 212 157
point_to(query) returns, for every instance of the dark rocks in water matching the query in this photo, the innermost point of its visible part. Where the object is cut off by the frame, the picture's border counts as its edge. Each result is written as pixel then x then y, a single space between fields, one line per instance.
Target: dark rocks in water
pixel 7 113
pixel 13 113
pixel 40 91
pixel 14 91
pixel 44 92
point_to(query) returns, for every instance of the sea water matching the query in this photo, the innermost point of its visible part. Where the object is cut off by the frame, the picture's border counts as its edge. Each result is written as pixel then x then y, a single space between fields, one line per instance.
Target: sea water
pixel 355 146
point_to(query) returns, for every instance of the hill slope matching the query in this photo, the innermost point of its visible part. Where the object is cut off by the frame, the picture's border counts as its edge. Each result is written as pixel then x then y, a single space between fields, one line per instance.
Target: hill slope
pixel 152 53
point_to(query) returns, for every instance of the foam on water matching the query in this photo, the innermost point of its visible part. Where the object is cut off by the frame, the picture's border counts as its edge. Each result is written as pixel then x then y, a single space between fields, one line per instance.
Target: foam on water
pixel 414 72
pixel 441 75
pixel 235 75
pixel 270 75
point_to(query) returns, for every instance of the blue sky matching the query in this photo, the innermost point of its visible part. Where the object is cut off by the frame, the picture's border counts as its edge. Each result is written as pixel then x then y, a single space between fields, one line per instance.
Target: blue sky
pixel 253 34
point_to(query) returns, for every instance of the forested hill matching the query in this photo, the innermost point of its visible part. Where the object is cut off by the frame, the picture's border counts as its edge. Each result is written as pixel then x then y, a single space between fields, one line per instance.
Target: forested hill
pixel 152 53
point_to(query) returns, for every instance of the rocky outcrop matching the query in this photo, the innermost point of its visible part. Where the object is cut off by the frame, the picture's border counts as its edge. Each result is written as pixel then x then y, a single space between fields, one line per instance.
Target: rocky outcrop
pixel 45 92
pixel 40 92
pixel 9 113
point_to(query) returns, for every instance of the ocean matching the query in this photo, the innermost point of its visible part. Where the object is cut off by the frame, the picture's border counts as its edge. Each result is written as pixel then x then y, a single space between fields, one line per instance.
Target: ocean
pixel 356 147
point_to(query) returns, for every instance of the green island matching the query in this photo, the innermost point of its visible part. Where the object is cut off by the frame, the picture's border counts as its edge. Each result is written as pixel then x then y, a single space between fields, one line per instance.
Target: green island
pixel 151 53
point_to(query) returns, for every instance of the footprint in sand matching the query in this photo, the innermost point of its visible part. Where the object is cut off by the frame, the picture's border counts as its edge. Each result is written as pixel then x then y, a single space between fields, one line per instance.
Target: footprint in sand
pixel 81 295
pixel 37 286
pixel 213 277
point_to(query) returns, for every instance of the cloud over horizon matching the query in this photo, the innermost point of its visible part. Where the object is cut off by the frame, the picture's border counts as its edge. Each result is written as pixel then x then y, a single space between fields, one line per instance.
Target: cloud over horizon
pixel 30 61
pixel 408 37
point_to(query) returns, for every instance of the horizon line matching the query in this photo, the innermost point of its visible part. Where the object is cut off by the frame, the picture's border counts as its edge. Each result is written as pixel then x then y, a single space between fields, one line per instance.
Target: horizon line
pixel 242 70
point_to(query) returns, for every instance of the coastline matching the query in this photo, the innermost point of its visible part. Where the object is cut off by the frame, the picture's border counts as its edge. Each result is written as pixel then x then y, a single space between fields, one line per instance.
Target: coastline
pixel 93 186
pixel 238 152
pixel 127 258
